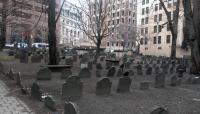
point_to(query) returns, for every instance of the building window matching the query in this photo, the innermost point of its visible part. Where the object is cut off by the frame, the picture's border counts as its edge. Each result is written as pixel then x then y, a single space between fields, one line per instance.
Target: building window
pixel 122 13
pixel 168 39
pixel 112 44
pixel 143 2
pixel 129 13
pixel 160 6
pixel 129 21
pixel 159 28
pixel 146 48
pixel 122 20
pixel 154 40
pixel 147 1
pixel 141 41
pixel 146 20
pixel 117 44
pixel 159 39
pixel 142 21
pixel 143 10
pixel 113 14
pixel 159 48
pixel 113 22
pixel 117 21
pixel 117 14
pixel 146 30
pixel 145 41
pixel 155 29
pixel 147 10
pixel 155 18
pixel 160 17
pixel 156 7
pixel 169 5
pixel 142 31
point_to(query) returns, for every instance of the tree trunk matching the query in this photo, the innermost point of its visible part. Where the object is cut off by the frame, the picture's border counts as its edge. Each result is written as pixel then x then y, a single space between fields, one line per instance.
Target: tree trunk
pixel 3 25
pixel 97 50
pixel 192 31
pixel 173 47
pixel 52 34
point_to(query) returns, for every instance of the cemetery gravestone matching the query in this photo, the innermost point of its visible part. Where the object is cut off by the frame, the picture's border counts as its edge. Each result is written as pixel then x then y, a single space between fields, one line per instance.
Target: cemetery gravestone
pixel 36 58
pixel 71 108
pixel 139 69
pixel 44 74
pixel 98 73
pixel 36 91
pixel 66 73
pixel 149 71
pixel 111 72
pixel 18 79
pixel 160 80
pixel 99 66
pixel 11 74
pixel 23 56
pixel 119 72
pixel 73 87
pixel 90 65
pixel 159 110
pixel 50 103
pixel 103 86
pixel 68 61
pixel 124 84
pixel 144 85
pixel 85 73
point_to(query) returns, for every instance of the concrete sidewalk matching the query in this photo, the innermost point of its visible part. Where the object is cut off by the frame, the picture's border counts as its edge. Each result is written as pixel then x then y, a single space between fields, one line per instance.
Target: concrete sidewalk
pixel 10 104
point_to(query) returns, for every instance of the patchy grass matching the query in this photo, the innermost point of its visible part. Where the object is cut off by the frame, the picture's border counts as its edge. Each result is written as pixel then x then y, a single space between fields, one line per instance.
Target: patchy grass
pixel 7 58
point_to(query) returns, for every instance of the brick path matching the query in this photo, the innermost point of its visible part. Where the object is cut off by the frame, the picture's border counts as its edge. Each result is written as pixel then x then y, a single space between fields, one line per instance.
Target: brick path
pixel 10 104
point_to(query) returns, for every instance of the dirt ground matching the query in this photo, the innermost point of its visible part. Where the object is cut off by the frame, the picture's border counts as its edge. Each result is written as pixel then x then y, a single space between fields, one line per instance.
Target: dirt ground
pixel 184 99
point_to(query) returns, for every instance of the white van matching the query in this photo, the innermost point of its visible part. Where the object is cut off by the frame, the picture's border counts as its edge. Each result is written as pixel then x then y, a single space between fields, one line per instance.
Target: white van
pixel 40 45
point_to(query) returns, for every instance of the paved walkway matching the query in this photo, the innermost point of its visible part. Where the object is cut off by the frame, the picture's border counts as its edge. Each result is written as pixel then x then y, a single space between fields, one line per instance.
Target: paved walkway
pixel 10 104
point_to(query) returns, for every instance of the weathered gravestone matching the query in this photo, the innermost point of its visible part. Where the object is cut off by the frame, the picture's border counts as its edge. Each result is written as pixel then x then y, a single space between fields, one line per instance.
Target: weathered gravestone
pixel 160 80
pixel 127 65
pixel 11 53
pixel 119 72
pixel 99 66
pixel 1 68
pixel 124 84
pixel 144 85
pixel 11 74
pixel 131 72
pixel 149 71
pixel 23 56
pixel 103 86
pixel 108 64
pixel 46 58
pixel 73 87
pixel 66 73
pixel 174 81
pixel 139 69
pixel 36 58
pixel 85 73
pixel 68 61
pixel 71 108
pixel 50 103
pixel 102 58
pixel 18 79
pixel 111 72
pixel 36 91
pixel 75 58
pixel 159 110
pixel 171 69
pixel 44 74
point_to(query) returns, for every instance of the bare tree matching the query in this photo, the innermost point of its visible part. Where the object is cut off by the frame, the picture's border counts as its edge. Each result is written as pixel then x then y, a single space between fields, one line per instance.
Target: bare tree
pixel 96 27
pixel 173 25
pixel 192 30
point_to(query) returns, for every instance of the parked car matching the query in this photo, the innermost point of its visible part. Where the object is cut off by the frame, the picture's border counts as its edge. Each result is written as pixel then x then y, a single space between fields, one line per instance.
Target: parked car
pixel 40 45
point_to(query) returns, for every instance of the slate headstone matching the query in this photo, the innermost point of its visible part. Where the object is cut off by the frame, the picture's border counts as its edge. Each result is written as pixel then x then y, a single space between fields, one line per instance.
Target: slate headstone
pixel 50 103
pixel 149 71
pixel 139 69
pixel 66 73
pixel 36 58
pixel 11 74
pixel 44 74
pixel 103 86
pixel 159 110
pixel 69 61
pixel 119 72
pixel 85 73
pixel 36 91
pixel 111 72
pixel 73 87
pixel 71 108
pixel 160 80
pixel 99 66
pixel 124 84
pixel 144 85
pixel 18 79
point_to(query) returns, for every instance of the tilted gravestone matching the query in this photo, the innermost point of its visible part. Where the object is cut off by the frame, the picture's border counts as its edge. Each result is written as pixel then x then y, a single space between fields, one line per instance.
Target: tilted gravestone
pixel 124 84
pixel 139 69
pixel 66 73
pixel 111 72
pixel 99 66
pixel 50 103
pixel 18 79
pixel 119 72
pixel 149 71
pixel 85 73
pixel 69 61
pixel 36 58
pixel 160 80
pixel 103 86
pixel 71 108
pixel 36 91
pixel 159 110
pixel 44 74
pixel 73 87
pixel 11 74
pixel 144 85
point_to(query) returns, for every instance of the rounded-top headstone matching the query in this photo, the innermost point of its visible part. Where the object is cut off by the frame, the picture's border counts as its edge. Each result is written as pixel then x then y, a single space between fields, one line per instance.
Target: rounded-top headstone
pixel 159 110
pixel 71 108
pixel 103 86
pixel 84 73
pixel 44 74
